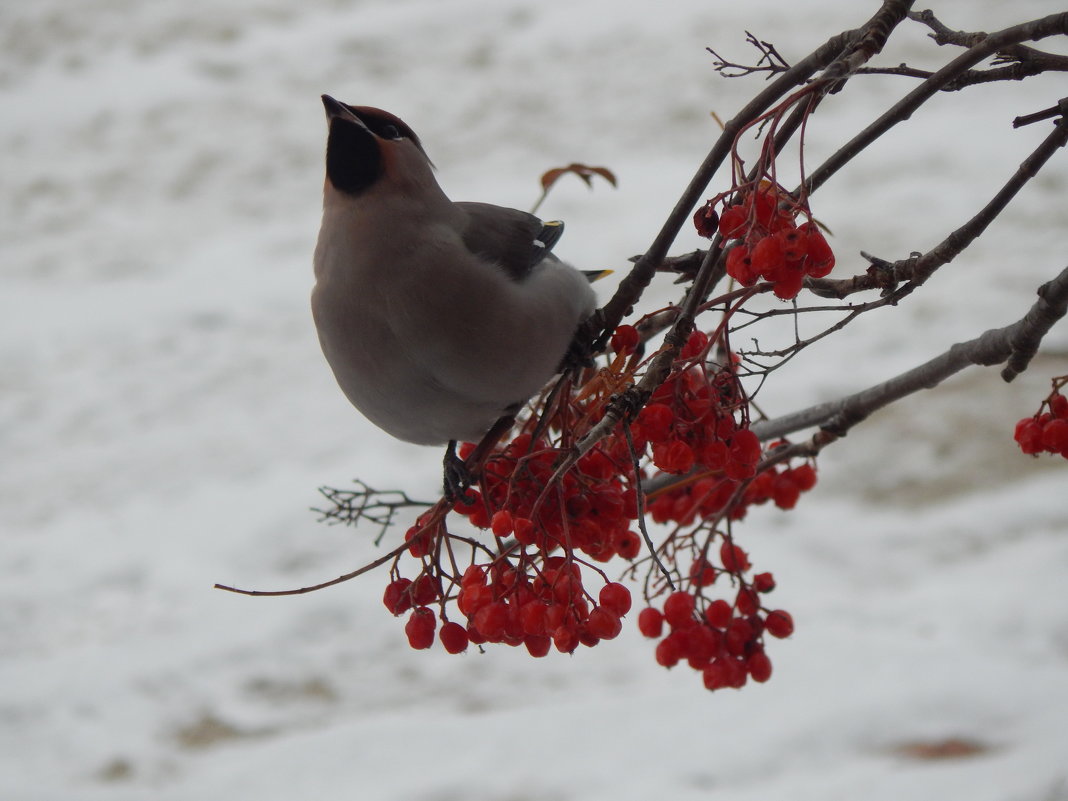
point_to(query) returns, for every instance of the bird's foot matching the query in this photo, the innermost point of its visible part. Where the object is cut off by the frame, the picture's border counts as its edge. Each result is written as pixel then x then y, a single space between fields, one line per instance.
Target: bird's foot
pixel 580 352
pixel 458 478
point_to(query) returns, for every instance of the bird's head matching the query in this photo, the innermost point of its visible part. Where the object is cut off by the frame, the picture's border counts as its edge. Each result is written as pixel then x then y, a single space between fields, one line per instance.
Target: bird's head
pixel 367 146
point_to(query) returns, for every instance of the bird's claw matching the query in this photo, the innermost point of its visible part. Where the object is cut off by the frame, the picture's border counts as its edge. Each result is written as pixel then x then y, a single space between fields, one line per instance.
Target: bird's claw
pixel 457 478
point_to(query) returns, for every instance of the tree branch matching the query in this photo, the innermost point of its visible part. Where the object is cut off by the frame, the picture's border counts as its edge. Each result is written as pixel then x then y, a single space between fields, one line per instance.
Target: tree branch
pixel 904 108
pixel 1014 343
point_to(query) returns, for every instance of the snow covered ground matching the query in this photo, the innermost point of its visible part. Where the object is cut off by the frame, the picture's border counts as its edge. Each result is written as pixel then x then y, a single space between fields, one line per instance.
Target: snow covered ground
pixel 166 417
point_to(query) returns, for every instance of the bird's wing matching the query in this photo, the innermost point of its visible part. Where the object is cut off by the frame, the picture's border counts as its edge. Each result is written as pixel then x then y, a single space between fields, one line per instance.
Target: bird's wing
pixel 513 239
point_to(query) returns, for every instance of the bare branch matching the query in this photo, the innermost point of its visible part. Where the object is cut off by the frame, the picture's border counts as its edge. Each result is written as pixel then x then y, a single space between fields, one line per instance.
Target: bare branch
pixel 388 557
pixel 365 504
pixel 903 109
pixel 1051 307
pixel 770 61
pixel 1013 342
pixel 600 326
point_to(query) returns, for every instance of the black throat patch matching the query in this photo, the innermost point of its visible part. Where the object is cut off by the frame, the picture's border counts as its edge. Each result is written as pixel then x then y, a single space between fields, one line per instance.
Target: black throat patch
pixel 353 158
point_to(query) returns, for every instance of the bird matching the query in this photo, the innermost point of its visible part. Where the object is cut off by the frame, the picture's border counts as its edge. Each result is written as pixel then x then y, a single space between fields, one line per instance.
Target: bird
pixel 437 318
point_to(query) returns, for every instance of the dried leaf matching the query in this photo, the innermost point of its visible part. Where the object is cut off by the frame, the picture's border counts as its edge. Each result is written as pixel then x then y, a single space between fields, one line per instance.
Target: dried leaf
pixel 583 171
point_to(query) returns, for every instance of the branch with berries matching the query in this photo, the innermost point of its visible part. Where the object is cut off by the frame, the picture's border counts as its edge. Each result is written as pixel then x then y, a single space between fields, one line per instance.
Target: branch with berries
pixel 637 467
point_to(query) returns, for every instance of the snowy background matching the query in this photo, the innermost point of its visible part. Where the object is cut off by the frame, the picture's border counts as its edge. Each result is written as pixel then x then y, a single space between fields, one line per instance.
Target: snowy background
pixel 166 417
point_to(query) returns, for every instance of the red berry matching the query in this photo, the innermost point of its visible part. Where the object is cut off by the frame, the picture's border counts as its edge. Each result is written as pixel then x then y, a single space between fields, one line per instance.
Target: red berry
pixel 627 544
pixel 736 673
pixel 678 609
pixel 616 597
pixel 767 258
pixel 746 602
pixel 673 457
pixel 396 598
pixel 714 454
pixel 604 624
pixel 733 558
pixel 763 582
pixel 501 523
pixel 491 620
pixel 420 628
pixel 473 598
pixel 668 652
pixel 745 446
pixel 792 243
pixel 740 267
pixel 650 622
pixel 732 222
pixel 1028 435
pixel 739 634
pixel 463 507
pixel 759 666
pixel 784 492
pixel 524 531
pixel 1055 435
pixel 533 617
pixel 779 623
pixel 702 573
pixel 587 637
pixel 655 422
pixel 702 642
pixel 426 590
pixel 789 285
pixel 706 220
pixel 820 256
pixel 420 542
pixel 453 637
pixel 474 575
pixel 804 476
pixel 719 613
pixel 715 675
pixel 765 203
pixel 566 639
pixel 1058 406
pixel 537 646
pixel 625 339
pixel 695 344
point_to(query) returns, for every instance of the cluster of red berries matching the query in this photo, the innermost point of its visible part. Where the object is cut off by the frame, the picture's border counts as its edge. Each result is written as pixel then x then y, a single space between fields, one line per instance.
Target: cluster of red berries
pixel 532 593
pixel 1046 431
pixel 515 605
pixel 721 640
pixel 591 509
pixel 773 247
pixel 719 495
pixel 689 421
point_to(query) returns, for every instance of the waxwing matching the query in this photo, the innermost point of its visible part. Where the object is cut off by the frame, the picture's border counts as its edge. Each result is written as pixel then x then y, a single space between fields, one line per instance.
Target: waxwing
pixel 437 318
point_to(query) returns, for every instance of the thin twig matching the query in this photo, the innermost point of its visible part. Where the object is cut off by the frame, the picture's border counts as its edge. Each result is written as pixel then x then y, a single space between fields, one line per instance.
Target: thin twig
pixel 640 493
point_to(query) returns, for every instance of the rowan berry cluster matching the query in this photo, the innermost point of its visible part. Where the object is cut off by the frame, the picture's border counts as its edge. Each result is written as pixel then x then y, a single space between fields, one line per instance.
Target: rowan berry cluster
pixel 1046 431
pixel 689 422
pixel 723 641
pixel 713 495
pixel 531 592
pixel 772 245
pixel 520 602
pixel 590 509
pixel 550 528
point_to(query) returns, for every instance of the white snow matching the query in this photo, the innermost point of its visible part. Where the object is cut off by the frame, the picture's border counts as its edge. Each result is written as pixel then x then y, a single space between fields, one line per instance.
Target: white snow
pixel 167 418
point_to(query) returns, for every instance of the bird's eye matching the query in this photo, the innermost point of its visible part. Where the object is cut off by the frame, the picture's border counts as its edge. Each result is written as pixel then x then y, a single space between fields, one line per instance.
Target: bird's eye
pixel 390 132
